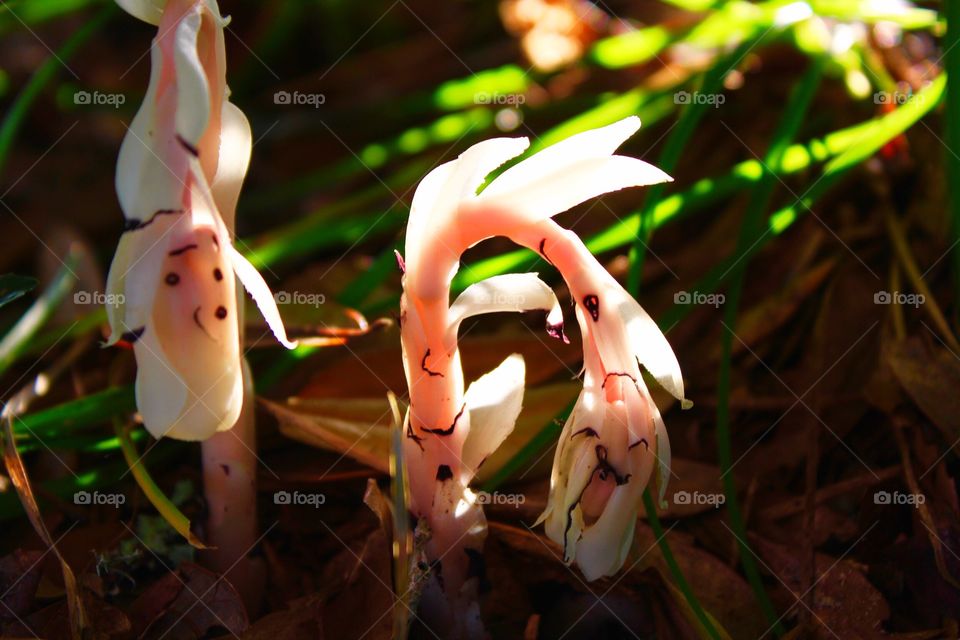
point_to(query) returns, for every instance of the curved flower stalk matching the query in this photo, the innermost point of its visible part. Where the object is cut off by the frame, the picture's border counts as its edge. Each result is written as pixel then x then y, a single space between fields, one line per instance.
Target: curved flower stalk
pixel 178 177
pixel 602 466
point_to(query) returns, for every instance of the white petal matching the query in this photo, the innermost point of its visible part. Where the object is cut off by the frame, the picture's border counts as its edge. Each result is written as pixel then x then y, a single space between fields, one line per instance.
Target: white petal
pixel 236 141
pixel 171 408
pixel 193 93
pixel 662 451
pixel 561 190
pixel 595 143
pixel 254 283
pixel 652 349
pixel 443 189
pixel 511 292
pixel 147 179
pixel 161 393
pixel 494 401
pixel 146 10
pixel 135 274
pixel 603 546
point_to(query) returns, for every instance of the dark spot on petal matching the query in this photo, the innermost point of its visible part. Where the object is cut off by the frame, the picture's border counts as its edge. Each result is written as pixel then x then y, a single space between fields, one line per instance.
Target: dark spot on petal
pixel 543 251
pixel 189 147
pixel 642 441
pixel 217 275
pixel 449 430
pixel 592 304
pixel 135 225
pixel 607 469
pixel 556 331
pixel 132 336
pixel 590 432
pixel 413 436
pixel 226 469
pixel 221 312
pixel 618 374
pixel 444 473
pixel 183 249
pixel 172 279
pixel 423 365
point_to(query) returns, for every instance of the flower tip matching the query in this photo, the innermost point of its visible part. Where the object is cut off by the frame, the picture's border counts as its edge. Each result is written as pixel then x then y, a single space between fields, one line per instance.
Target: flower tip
pixel 686 404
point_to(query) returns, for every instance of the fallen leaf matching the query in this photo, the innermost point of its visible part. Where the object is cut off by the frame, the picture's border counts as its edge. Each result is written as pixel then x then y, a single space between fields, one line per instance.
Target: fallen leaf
pixel 188 603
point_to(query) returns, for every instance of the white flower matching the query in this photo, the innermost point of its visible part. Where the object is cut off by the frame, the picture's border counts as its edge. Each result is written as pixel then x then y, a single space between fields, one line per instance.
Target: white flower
pixel 614 436
pixel 179 174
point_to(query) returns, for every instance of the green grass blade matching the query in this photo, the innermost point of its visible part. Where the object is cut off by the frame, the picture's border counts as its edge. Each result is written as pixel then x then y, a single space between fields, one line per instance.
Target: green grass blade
pixel 677 140
pixel 18 338
pixel 706 622
pixel 750 232
pixel 40 78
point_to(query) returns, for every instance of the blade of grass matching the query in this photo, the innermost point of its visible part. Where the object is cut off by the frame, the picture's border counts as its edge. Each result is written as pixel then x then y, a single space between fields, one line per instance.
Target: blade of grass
pixel 17 339
pixel 952 122
pixel 163 504
pixel 750 232
pixel 867 141
pixel 677 140
pixel 41 77
pixel 108 475
pixel 706 621
pixel 76 415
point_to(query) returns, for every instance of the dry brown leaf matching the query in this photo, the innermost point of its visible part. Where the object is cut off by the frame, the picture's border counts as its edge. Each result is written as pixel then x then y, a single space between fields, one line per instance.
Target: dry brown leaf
pixel 845 603
pixel 931 376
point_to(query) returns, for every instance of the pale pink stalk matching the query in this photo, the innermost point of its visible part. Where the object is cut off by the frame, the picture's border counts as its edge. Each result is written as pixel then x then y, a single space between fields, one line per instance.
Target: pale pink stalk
pixel 450 432
pixel 179 174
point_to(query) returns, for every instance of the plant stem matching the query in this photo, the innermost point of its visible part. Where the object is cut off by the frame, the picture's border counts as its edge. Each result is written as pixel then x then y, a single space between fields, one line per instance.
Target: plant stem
pixel 749 234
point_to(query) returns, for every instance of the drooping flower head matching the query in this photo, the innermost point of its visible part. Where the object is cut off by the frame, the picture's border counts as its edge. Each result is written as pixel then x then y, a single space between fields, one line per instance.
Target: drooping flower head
pixel 449 432
pixel 178 178
pixel 615 436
